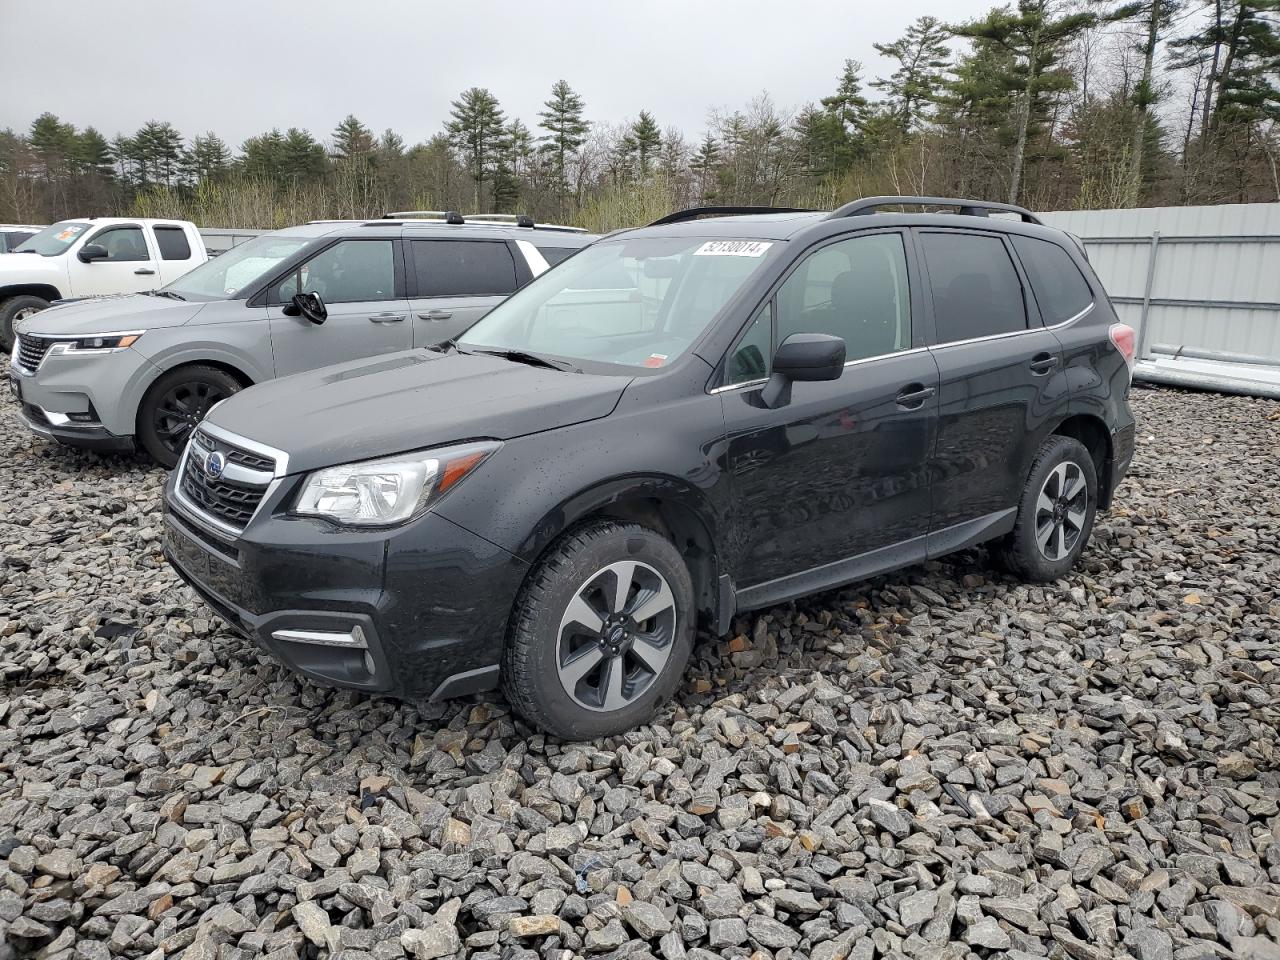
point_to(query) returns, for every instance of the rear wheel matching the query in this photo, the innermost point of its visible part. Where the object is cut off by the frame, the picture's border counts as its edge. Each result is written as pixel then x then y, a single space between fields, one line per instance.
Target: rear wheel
pixel 1056 512
pixel 13 310
pixel 175 405
pixel 601 633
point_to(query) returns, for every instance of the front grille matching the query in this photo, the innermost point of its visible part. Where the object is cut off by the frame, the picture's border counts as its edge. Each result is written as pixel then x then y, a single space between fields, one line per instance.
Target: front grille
pixel 253 461
pixel 31 351
pixel 229 500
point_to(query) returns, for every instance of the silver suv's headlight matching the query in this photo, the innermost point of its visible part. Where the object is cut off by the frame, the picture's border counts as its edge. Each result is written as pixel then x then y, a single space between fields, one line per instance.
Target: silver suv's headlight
pixel 101 343
pixel 380 493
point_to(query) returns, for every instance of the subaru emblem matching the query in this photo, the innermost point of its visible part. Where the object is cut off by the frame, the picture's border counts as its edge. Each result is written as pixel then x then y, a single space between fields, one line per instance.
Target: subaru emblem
pixel 214 464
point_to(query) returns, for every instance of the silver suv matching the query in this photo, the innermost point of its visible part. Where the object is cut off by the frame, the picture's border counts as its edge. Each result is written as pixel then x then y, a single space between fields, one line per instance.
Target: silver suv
pixel 106 374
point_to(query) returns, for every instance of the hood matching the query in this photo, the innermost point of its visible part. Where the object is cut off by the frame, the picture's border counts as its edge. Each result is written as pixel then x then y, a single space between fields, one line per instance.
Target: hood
pixel 32 268
pixel 111 315
pixel 397 402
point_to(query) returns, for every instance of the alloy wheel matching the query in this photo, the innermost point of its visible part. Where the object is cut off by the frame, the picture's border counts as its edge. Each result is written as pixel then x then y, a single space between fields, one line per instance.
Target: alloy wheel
pixel 616 636
pixel 181 409
pixel 24 313
pixel 1061 511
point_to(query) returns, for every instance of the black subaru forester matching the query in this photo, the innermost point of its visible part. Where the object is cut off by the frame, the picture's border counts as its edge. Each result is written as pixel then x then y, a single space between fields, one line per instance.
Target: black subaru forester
pixel 721 411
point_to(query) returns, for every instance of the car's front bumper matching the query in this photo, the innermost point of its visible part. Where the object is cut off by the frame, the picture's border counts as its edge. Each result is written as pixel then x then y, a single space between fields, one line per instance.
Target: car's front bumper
pixel 99 394
pixel 416 611
pixel 86 436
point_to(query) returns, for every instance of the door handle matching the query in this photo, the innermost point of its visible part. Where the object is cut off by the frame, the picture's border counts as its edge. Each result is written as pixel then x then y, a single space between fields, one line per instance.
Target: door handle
pixel 145 272
pixel 436 315
pixel 914 395
pixel 387 318
pixel 1042 363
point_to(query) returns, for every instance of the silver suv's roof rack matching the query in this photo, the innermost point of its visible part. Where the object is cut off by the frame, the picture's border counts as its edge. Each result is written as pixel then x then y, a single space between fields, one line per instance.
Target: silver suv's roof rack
pixel 480 219
pixel 965 208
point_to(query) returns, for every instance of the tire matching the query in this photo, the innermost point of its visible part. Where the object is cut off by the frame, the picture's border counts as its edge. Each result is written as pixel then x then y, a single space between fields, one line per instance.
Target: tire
pixel 175 404
pixel 557 669
pixel 15 308
pixel 1055 512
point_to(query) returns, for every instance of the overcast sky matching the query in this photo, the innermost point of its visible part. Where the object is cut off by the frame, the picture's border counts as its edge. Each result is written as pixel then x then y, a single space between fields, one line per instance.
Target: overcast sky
pixel 239 67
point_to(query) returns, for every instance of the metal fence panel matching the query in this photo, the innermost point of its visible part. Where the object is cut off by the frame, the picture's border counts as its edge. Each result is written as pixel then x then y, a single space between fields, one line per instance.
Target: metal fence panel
pixel 1198 279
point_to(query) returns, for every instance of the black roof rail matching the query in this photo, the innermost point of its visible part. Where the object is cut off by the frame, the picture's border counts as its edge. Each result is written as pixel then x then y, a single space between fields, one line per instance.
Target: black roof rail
pixel 966 208
pixel 693 213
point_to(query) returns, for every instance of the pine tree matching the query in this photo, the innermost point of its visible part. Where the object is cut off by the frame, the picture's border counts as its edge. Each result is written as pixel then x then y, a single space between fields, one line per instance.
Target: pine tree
pixel 476 125
pixel 159 150
pixel 302 158
pixel 92 154
pixel 53 142
pixel 641 142
pixel 922 55
pixel 703 163
pixel 847 104
pixel 208 158
pixel 263 156
pixel 566 127
pixel 1036 36
pixel 351 139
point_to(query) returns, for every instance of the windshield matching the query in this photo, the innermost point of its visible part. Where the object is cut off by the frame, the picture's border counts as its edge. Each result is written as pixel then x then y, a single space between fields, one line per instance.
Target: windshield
pixel 223 277
pixel 52 241
pixel 639 302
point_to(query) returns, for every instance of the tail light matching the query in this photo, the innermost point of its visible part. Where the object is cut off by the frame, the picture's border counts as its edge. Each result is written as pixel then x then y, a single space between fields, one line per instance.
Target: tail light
pixel 1126 341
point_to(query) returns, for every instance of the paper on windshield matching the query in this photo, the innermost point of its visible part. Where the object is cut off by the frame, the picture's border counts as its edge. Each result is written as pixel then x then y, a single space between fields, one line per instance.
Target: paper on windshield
pixel 733 248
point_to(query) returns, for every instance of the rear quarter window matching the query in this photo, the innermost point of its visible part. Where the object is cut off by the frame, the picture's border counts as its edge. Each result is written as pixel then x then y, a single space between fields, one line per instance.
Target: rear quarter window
pixel 554 255
pixel 1061 291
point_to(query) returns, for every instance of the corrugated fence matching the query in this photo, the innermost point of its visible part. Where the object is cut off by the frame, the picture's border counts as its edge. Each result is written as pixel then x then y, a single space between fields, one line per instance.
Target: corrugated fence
pixel 1201 285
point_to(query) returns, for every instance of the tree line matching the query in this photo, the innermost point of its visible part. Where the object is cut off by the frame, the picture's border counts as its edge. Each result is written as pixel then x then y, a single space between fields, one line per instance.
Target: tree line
pixel 1050 103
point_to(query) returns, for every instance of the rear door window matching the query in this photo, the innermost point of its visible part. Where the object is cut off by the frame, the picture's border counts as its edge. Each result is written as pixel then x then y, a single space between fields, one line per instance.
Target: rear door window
pixel 1060 289
pixel 463 268
pixel 173 243
pixel 976 289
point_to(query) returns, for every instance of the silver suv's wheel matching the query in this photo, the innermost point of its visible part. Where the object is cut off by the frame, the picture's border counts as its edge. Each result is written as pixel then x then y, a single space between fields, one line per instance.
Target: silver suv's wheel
pixel 1061 510
pixel 1055 511
pixel 601 631
pixel 616 635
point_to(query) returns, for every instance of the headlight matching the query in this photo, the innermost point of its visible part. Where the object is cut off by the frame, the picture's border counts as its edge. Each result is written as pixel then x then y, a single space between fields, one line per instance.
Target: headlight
pixel 380 493
pixel 99 343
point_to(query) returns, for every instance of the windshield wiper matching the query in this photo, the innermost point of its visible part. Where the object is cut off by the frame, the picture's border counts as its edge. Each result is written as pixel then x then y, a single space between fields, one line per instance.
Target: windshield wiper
pixel 532 359
pixel 166 293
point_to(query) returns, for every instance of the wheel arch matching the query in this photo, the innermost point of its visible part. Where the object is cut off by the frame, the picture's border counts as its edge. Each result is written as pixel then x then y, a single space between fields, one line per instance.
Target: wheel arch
pixel 45 291
pixel 231 369
pixel 1092 432
pixel 668 506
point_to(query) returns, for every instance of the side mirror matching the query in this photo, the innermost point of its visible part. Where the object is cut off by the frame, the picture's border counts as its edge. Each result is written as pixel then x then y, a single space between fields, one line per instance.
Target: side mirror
pixel 91 252
pixel 309 305
pixel 803 356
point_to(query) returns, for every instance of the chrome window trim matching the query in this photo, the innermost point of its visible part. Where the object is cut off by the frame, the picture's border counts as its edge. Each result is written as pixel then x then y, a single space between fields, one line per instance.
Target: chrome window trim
pixel 1015 333
pixel 847 364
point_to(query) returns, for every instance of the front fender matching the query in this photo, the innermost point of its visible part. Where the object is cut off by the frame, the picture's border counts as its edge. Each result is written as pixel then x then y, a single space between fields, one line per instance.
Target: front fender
pixel 620 492
pixel 251 354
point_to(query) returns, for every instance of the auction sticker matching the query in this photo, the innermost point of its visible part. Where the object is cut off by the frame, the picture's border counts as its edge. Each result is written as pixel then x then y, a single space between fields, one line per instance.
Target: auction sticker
pixel 733 248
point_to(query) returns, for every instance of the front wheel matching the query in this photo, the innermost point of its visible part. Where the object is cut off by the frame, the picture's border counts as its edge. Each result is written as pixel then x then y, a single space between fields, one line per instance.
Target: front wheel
pixel 175 405
pixel 601 633
pixel 13 310
pixel 1055 513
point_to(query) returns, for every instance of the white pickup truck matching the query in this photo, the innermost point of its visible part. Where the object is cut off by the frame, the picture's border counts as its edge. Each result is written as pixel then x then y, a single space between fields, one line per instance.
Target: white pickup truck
pixel 93 256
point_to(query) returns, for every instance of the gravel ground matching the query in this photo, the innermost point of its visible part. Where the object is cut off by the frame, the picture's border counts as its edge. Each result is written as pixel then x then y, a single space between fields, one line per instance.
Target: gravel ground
pixel 938 763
